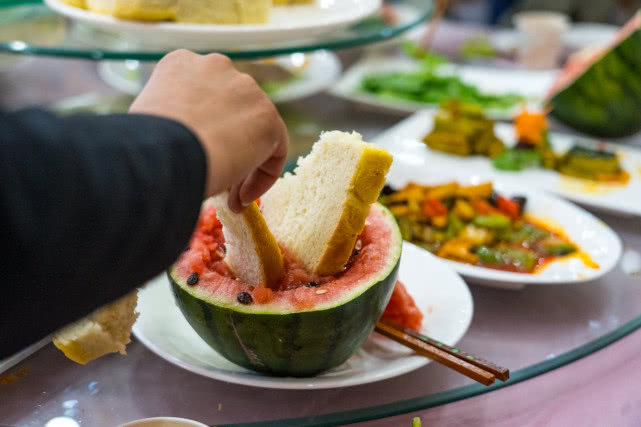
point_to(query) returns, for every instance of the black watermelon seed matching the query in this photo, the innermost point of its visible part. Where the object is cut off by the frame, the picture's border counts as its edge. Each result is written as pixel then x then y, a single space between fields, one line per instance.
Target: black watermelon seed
pixel 244 298
pixel 387 190
pixel 312 285
pixel 192 279
pixel 223 249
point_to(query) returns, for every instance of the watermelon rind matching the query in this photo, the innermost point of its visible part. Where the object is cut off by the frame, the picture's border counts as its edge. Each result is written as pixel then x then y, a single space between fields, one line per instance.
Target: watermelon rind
pixel 293 343
pixel 605 100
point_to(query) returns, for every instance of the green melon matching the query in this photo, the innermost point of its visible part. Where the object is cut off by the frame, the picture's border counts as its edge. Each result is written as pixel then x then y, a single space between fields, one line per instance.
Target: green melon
pixel 601 95
pixel 302 331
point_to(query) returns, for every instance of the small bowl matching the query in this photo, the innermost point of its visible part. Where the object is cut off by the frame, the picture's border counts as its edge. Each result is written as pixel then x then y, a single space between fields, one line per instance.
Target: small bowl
pixel 163 422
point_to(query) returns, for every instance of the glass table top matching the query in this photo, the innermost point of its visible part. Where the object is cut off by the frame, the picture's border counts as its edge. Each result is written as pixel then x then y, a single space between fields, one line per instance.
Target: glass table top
pixel 530 331
pixel 29 27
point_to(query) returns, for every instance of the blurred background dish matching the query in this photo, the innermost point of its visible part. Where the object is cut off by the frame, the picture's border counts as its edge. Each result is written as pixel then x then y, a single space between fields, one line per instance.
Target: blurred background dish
pixel 405 141
pixel 523 86
pixel 285 23
pixel 284 78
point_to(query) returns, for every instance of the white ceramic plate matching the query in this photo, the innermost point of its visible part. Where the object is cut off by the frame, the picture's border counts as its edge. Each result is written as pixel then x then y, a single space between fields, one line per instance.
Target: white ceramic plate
pixel 531 84
pixel 414 162
pixel 286 23
pixel 321 69
pixel 440 293
pixel 405 139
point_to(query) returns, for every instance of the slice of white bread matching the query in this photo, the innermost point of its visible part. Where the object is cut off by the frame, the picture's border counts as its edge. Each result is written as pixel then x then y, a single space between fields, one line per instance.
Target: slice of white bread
pixel 144 10
pixel 191 11
pixel 252 251
pixel 318 212
pixel 106 330
pixel 223 11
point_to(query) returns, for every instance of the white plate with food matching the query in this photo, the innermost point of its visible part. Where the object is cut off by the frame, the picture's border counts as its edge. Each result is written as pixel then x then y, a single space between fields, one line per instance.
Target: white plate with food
pixel 442 296
pixel 284 24
pixel 284 78
pixel 548 242
pixel 405 140
pixel 531 85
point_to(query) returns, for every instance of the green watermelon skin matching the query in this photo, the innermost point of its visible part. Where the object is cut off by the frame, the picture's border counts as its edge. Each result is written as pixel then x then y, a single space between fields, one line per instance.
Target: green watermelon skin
pixel 605 100
pixel 299 343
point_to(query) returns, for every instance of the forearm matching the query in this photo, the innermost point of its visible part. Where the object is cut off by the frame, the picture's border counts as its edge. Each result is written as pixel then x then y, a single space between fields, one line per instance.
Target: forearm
pixel 91 208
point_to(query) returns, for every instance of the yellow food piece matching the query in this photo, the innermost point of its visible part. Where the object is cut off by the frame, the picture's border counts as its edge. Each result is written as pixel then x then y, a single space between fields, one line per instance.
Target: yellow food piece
pixel 106 330
pixel 458 250
pixel 481 191
pixel 252 251
pixel 189 11
pixel 75 3
pixel 440 221
pixel 464 210
pixel 318 212
pixel 223 11
pixel 291 2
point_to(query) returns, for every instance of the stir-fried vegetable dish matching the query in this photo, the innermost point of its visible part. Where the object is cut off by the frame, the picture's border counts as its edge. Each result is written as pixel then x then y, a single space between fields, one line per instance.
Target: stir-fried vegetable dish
pixel 474 225
pixel 428 84
pixel 463 130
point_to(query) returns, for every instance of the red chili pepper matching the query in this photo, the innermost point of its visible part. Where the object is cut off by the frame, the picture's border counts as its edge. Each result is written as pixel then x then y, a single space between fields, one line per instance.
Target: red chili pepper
pixel 482 207
pixel 434 207
pixel 508 206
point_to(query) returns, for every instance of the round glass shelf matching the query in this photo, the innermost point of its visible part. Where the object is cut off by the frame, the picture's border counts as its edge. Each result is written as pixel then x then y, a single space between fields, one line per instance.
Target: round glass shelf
pixel 531 331
pixel 28 27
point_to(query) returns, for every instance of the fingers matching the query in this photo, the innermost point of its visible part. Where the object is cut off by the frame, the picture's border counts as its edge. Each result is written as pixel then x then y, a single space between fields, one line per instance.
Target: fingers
pixel 234 199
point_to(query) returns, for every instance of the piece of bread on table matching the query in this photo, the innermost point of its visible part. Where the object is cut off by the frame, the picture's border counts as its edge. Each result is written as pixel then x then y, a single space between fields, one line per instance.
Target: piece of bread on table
pixel 106 330
pixel 252 252
pixel 319 211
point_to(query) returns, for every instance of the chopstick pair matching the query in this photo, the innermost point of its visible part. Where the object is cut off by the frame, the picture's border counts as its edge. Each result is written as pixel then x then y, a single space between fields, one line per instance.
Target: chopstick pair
pixel 469 365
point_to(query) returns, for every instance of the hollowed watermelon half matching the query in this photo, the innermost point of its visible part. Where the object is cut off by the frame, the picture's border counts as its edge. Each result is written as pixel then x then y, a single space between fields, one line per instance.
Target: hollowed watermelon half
pixel 301 331
pixel 600 94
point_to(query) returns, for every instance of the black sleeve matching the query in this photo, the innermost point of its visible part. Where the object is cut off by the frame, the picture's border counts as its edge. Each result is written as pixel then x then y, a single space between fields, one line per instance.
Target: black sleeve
pixel 90 207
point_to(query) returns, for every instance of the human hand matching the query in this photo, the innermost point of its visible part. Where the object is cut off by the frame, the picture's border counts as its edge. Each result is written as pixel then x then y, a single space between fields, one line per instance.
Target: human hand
pixel 242 134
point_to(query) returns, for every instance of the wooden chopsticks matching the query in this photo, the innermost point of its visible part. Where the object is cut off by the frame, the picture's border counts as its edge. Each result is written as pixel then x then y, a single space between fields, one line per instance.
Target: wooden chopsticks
pixel 467 364
pixel 433 22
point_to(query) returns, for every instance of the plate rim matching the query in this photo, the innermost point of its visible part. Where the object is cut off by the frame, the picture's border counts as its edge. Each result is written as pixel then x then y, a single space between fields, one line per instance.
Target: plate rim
pixel 89 17
pixel 289 383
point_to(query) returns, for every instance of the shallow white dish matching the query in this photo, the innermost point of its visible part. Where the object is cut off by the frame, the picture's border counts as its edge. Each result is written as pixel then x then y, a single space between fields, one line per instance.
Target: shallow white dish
pixel 414 162
pixel 531 84
pixel 404 139
pixel 320 70
pixel 441 294
pixel 286 23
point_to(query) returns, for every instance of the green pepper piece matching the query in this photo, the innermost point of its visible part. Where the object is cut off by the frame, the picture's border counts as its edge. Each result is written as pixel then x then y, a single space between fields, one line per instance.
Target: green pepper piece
pixel 454 225
pixel 521 258
pixel 495 221
pixel 489 256
pixel 416 422
pixel 527 233
pixel 558 248
pixel 405 225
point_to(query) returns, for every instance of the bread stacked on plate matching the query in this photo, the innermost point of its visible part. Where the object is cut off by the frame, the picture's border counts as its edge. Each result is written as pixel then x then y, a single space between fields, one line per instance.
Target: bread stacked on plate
pixel 190 11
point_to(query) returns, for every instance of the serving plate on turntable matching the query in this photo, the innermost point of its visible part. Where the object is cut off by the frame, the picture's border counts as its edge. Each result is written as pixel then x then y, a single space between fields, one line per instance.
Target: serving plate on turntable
pixel 441 294
pixel 286 23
